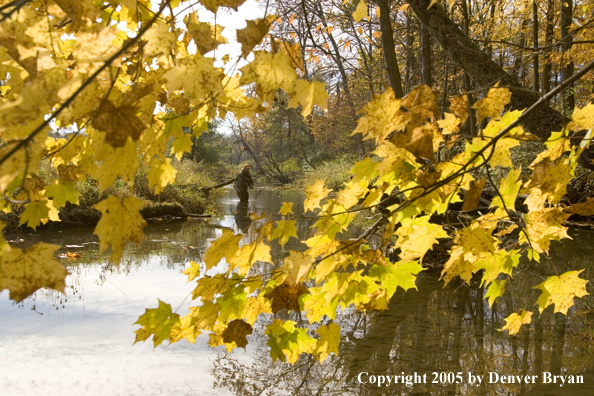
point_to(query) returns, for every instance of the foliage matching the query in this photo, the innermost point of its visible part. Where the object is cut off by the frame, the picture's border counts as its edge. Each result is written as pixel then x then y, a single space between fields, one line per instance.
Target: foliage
pixel 110 84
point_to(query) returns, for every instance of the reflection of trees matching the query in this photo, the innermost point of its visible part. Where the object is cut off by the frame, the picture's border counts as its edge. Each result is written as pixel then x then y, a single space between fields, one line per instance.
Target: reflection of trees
pixel 425 331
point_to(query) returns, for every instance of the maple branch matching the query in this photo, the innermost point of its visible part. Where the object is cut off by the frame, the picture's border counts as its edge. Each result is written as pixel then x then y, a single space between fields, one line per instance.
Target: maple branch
pixel 68 101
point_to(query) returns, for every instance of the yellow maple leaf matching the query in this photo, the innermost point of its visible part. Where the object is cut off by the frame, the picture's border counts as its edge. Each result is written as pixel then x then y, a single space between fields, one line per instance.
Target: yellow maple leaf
pixel 293 51
pixel 473 196
pixel 544 226
pixel 253 33
pixel 213 5
pixel 297 265
pixel 561 290
pixel 161 174
pixel 496 289
pixel 39 212
pixel 286 208
pixel 159 40
pixel 328 342
pixel 225 246
pixel 314 193
pixel 307 94
pixel 247 255
pixel 254 306
pixel 157 322
pixel 422 101
pixel 196 76
pixel 361 11
pixel 557 145
pixel 450 124
pixel 584 117
pixel 382 117
pixel 514 322
pixel 416 237
pixel 121 161
pixel 270 72
pixel 118 123
pixel 285 229
pixel 207 37
pixel 120 222
pixel 459 106
pixel 23 272
pixel 492 105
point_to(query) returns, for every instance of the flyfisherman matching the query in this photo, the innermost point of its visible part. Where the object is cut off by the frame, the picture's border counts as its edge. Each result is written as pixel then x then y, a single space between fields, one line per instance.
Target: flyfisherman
pixel 243 182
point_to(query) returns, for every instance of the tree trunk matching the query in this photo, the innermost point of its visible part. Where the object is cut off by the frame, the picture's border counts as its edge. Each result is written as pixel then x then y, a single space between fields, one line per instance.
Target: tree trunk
pixel 549 31
pixel 426 56
pixel 535 65
pixel 567 69
pixel 482 69
pixel 389 48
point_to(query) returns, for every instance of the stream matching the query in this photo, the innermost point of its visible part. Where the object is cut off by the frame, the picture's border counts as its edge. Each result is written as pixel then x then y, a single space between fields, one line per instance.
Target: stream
pixel 80 343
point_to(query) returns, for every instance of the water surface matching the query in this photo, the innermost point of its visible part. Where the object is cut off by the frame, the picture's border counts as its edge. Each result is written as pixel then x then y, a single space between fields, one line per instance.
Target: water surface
pixel 80 343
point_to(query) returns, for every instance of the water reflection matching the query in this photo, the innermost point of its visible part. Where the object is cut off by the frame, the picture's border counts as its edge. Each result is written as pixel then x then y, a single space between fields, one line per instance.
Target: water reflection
pixel 80 343
pixel 439 330
pixel 242 219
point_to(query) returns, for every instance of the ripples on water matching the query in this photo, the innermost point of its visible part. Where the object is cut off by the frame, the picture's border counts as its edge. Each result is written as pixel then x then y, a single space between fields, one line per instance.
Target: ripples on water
pixel 80 343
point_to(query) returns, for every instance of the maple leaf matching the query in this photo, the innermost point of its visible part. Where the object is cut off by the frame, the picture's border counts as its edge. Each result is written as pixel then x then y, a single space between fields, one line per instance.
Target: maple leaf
pixel 514 322
pixel 285 229
pixel 314 193
pixel 401 274
pixel 545 226
pixel 161 174
pixel 382 117
pixel 561 290
pixel 496 289
pixel 270 72
pixel 307 94
pixel 582 209
pixel 23 272
pixel 557 144
pixel 286 342
pixel 286 208
pixel 584 117
pixel 213 5
pixel 328 342
pixel 248 255
pixel 459 106
pixel 159 39
pixel 184 330
pixel 207 287
pixel 253 33
pixel 293 51
pixel 193 271
pixel 508 189
pixel 417 236
pixel 450 124
pixel 297 265
pixel 60 193
pixel 206 36
pixel 118 123
pixel 492 105
pixel 121 161
pixel 38 212
pixel 473 196
pixel 196 76
pixel 286 295
pixel 422 101
pixel 120 222
pixel 232 303
pixel 237 332
pixel 361 11
pixel 254 306
pixel 225 246
pixel 157 322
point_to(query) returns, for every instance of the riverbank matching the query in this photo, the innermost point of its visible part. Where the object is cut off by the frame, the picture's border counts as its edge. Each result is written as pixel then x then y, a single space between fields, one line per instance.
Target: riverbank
pixel 189 196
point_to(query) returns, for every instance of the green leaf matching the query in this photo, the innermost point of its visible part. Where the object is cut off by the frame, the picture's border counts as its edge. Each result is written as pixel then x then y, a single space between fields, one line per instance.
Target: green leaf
pixel 157 322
